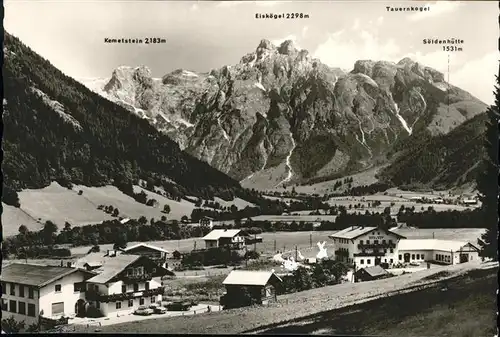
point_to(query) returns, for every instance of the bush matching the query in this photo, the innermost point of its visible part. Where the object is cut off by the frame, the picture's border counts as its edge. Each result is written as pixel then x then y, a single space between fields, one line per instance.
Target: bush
pixel 252 255
pixel 10 325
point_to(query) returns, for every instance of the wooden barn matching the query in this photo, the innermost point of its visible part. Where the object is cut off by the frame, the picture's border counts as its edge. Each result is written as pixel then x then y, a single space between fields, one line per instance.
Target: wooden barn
pixel 370 274
pixel 261 286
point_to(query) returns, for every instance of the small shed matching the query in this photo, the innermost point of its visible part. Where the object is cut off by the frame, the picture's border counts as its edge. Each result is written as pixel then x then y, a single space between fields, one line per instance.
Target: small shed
pixel 370 274
pixel 240 285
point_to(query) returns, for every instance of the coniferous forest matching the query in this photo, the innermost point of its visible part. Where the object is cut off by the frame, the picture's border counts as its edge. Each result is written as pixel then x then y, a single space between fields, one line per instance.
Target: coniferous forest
pixel 85 139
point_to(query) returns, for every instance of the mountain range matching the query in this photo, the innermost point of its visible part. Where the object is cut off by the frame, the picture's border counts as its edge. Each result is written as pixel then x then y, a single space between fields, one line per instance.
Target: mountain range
pixel 55 129
pixel 281 117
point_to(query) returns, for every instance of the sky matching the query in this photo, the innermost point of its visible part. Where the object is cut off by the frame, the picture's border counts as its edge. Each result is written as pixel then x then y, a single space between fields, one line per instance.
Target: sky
pixel 203 35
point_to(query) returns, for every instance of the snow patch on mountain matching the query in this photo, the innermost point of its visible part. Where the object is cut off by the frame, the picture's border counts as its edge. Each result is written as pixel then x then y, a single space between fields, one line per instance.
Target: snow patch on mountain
pixel 402 120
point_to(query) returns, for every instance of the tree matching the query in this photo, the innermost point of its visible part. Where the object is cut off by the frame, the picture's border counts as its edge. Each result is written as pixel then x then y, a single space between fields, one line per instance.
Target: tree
pixel 121 241
pixel 116 212
pixel 23 230
pixel 487 181
pixel 184 218
pixel 166 209
pixel 67 227
pixel 10 325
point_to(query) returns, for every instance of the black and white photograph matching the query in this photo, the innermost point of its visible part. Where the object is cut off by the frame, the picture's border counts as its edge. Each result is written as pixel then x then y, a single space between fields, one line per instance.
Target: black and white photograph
pixel 250 167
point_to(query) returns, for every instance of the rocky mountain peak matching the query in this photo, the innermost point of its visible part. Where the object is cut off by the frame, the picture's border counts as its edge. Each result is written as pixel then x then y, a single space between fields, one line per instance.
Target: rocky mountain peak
pixel 287 48
pixel 266 44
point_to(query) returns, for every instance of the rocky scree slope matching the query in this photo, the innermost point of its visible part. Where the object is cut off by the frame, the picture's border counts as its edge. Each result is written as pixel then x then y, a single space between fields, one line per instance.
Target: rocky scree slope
pixel 281 116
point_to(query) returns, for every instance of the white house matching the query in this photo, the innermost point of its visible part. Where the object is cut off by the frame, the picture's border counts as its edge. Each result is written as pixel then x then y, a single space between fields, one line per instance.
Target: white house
pixel 224 237
pixel 157 254
pixel 442 251
pixel 124 283
pixel 366 246
pixel 30 291
pixel 206 222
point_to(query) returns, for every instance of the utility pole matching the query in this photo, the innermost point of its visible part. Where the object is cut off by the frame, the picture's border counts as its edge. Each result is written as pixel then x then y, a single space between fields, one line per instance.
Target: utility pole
pixel 433 235
pixel 296 252
pixel 246 256
pixel 255 242
pixel 310 240
pixel 275 246
pixel 194 246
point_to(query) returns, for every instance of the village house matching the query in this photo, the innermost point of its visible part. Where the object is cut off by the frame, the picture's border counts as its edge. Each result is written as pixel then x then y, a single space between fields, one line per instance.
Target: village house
pixel 233 238
pixel 124 283
pixel 366 246
pixel 260 285
pixel 30 292
pixel 206 222
pixel 156 254
pixel 370 274
pixel 434 250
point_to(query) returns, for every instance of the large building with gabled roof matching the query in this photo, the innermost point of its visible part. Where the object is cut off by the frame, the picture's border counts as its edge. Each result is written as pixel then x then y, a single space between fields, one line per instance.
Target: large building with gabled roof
pixel 30 291
pixel 366 246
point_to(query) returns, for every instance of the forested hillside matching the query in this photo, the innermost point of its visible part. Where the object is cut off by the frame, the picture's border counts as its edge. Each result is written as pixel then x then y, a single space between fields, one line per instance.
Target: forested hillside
pixel 57 129
pixel 443 161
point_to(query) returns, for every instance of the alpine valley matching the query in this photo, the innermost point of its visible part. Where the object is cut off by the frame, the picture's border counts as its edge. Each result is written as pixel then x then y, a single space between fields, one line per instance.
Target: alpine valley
pixel 281 117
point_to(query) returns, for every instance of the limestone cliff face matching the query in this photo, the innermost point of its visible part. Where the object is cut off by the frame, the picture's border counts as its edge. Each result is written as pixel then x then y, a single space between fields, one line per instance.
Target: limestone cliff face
pixel 285 117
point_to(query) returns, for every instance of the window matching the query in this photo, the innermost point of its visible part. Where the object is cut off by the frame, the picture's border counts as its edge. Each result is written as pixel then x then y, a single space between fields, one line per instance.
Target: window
pixel 136 287
pixel 31 294
pixel 12 306
pixel 153 299
pixel 391 261
pixel 21 290
pixel 385 251
pixel 147 285
pixel 4 288
pixel 422 256
pixel 57 308
pixel 130 303
pixel 13 289
pixel 383 241
pixel 385 260
pixel 98 304
pixel 96 287
pixel 58 288
pixel 360 242
pixel 390 241
pixel 367 242
pixel 118 305
pixel 4 304
pixel 22 308
pixel 77 287
pixel 368 261
pixel 141 301
pixel 362 261
pixel 400 257
pixel 31 310
pixel 378 233
pixel 130 272
pixel 124 288
pixel 413 256
pixel 376 242
pixel 391 250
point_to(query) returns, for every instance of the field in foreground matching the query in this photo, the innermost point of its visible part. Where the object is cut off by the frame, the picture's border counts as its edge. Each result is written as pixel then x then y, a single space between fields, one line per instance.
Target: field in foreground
pixel 292 307
pixel 467 309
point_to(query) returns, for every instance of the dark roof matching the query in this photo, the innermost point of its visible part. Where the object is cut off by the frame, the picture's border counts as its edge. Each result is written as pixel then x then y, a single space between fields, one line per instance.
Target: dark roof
pixel 36 275
pixel 375 271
